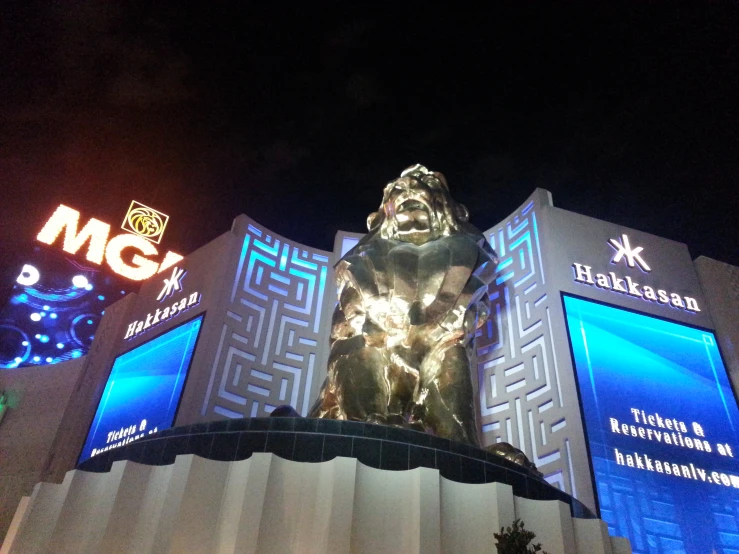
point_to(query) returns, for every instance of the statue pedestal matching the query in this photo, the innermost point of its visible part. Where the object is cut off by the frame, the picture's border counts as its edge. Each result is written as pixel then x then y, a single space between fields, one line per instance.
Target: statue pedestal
pixel 321 440
pixel 239 486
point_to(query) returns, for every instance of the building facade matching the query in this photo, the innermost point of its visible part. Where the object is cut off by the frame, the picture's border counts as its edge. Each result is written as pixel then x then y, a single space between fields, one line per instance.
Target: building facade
pixel 608 354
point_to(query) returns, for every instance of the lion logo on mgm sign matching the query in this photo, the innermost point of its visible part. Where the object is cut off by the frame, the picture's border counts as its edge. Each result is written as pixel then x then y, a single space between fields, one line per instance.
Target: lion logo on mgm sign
pixel 145 222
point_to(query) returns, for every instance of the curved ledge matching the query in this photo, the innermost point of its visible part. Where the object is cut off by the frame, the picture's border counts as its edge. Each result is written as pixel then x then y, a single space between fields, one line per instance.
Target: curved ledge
pixel 320 440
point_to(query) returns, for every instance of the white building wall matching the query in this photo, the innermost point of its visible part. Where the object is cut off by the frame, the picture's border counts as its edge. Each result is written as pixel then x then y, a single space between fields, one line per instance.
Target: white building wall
pixel 265 504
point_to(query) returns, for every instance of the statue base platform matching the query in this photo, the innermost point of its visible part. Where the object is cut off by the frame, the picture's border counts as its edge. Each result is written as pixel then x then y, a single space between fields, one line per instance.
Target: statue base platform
pixel 249 485
pixel 320 440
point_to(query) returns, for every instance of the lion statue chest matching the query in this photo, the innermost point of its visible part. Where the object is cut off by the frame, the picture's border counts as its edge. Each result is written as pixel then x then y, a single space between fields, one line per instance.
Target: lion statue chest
pixel 414 296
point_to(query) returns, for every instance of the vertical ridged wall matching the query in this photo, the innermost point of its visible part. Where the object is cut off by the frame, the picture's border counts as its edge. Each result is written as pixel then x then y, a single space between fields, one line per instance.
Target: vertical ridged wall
pixel 269 505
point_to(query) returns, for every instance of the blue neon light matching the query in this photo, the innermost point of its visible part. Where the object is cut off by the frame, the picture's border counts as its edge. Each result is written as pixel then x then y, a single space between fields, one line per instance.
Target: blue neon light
pixel 143 390
pixel 56 308
pixel 635 373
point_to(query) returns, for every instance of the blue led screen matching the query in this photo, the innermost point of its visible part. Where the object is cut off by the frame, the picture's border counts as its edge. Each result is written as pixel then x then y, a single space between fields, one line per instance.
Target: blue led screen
pixel 54 308
pixel 143 390
pixel 662 427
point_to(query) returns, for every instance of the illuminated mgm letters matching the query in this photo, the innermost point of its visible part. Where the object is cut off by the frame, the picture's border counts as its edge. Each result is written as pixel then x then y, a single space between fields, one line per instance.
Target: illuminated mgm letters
pixel 100 247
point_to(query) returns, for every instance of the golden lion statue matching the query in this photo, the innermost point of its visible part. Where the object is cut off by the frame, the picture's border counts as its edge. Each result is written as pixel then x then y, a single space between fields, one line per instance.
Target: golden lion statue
pixel 412 293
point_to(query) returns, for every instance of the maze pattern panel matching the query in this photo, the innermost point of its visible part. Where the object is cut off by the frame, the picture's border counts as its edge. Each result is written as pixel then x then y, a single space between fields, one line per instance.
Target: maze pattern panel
pixel 270 342
pixel 521 401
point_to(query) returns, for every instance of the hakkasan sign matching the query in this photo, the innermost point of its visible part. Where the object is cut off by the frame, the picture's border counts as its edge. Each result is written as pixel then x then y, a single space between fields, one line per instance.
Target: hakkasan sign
pixel 145 227
pixel 626 284
pixel 662 426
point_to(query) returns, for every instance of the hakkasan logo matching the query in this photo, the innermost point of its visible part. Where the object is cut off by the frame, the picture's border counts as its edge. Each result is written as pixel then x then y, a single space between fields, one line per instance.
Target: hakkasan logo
pixel 171 285
pixel 624 251
pixel 145 222
pixel 625 284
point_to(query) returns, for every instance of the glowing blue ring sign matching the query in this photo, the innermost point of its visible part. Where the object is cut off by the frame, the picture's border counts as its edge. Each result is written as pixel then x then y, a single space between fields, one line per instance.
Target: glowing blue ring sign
pixel 143 391
pixel 662 426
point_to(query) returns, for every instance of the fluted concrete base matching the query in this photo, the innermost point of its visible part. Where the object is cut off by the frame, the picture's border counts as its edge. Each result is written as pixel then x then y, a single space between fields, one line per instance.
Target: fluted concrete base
pixel 265 504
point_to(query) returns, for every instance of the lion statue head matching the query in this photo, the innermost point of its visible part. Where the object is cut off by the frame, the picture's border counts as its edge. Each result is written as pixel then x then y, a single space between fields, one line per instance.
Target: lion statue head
pixel 417 208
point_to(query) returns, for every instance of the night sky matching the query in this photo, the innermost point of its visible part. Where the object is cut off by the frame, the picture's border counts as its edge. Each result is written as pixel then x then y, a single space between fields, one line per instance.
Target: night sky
pixel 298 113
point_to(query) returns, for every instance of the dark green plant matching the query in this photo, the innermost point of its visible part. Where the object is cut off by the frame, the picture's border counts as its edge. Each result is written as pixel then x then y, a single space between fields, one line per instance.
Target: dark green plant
pixel 515 540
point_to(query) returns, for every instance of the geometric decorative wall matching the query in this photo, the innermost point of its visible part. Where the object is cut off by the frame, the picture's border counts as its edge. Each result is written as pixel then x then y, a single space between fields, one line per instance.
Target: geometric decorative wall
pixel 521 400
pixel 270 339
